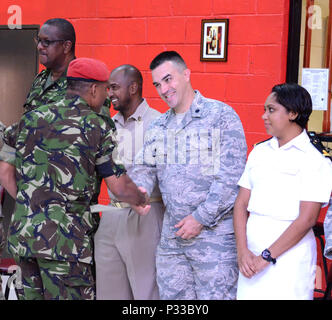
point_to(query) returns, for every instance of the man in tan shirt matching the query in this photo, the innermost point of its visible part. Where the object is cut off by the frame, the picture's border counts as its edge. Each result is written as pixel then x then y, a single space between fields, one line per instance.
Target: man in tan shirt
pixel 125 242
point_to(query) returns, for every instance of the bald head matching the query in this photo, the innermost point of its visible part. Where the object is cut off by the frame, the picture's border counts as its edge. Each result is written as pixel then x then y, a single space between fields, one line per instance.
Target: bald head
pixel 131 74
pixel 126 83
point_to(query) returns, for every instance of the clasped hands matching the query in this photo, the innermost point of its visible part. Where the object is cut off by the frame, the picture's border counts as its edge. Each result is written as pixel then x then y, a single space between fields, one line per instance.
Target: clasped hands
pixel 144 207
pixel 250 264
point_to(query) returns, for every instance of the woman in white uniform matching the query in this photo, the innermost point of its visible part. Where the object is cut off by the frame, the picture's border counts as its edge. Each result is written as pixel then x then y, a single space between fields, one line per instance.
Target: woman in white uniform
pixel 285 183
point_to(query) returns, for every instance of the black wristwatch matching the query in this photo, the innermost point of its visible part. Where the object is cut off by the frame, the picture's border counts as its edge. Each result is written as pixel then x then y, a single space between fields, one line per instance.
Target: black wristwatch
pixel 266 255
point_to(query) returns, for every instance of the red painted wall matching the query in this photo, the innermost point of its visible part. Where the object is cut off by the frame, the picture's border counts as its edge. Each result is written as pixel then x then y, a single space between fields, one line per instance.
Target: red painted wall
pixel 134 31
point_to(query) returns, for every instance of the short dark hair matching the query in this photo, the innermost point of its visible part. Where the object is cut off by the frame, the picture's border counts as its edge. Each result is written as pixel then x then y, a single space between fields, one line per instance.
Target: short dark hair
pixel 294 98
pixel 66 30
pixel 167 56
pixel 132 73
pixel 78 86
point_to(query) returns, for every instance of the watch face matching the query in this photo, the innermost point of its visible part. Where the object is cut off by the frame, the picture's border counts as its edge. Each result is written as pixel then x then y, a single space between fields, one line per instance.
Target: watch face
pixel 266 254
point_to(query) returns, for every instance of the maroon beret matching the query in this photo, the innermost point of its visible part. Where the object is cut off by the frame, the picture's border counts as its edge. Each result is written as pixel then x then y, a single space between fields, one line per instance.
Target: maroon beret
pixel 87 69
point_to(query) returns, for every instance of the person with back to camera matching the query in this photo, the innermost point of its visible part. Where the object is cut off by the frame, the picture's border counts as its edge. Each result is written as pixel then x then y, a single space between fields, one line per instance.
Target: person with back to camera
pixel 56 42
pixel 61 151
pixel 285 183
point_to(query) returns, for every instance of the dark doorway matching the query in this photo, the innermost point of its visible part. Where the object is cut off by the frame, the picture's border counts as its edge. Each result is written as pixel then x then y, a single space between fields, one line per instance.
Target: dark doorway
pixel 18 67
pixel 292 73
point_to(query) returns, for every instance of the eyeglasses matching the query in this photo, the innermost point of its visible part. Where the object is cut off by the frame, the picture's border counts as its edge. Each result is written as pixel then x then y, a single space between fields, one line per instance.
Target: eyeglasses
pixel 45 43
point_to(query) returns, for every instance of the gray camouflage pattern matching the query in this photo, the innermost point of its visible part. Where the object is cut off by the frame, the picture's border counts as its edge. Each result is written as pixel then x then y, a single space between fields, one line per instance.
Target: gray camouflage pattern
pixel 209 257
pixel 197 164
pixel 328 232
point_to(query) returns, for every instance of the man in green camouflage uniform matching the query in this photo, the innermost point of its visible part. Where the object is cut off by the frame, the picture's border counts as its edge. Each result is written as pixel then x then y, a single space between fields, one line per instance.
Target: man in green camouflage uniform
pixel 61 149
pixel 56 47
pixel 49 85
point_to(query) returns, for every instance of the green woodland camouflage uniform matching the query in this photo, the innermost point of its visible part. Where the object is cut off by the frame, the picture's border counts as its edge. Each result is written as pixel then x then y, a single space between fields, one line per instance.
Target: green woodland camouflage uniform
pixel 37 96
pixel 43 92
pixel 60 150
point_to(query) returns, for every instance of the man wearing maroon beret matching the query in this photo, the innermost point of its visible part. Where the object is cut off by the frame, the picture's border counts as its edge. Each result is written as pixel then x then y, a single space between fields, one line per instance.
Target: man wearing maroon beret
pixel 56 49
pixel 61 150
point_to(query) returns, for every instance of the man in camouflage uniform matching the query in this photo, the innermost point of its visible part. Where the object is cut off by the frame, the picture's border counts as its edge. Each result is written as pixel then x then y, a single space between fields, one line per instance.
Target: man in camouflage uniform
pixel 197 153
pixel 61 148
pixel 56 48
pixel 50 84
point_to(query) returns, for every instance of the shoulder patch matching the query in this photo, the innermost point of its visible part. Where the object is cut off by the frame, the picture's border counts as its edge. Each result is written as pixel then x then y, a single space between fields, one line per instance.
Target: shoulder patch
pixel 316 142
pixel 257 143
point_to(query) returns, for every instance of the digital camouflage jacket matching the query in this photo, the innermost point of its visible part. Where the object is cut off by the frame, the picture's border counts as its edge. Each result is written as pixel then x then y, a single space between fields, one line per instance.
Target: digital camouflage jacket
pixel 197 163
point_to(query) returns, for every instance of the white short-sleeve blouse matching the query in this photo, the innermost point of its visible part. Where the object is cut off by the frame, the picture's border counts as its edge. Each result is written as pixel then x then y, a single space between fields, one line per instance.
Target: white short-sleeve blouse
pixel 279 178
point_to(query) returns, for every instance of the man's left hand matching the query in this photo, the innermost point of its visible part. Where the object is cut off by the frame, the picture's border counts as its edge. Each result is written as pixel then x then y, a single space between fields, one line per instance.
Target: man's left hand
pixel 189 228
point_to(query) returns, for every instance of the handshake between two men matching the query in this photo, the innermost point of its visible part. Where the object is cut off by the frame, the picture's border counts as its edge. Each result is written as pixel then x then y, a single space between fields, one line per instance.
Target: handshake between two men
pixel 124 189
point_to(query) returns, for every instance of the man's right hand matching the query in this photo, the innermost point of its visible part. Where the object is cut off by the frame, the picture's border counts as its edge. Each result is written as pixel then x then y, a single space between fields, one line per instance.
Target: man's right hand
pixel 143 209
pixel 124 189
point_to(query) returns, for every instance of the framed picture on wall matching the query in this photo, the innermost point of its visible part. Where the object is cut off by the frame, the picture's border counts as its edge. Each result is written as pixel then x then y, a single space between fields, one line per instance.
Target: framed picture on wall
pixel 214 40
